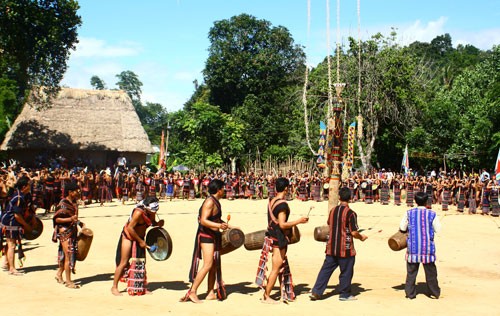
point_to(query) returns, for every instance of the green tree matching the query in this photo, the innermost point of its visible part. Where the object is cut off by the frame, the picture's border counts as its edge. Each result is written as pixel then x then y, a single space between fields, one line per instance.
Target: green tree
pixel 97 83
pixel 248 56
pixel 8 104
pixel 129 82
pixel 249 72
pixel 35 40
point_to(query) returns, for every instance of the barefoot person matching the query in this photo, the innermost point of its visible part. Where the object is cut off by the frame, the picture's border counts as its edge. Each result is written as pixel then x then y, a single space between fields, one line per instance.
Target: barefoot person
pixel 13 224
pixel 340 251
pixel 132 247
pixel 276 241
pixel 207 246
pixel 66 230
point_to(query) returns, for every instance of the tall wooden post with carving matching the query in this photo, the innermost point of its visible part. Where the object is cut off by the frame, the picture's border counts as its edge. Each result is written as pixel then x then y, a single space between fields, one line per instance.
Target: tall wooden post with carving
pixel 334 147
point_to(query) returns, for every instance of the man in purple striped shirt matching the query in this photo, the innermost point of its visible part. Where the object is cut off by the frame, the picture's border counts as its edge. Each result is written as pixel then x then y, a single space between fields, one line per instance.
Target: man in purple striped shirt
pixel 421 224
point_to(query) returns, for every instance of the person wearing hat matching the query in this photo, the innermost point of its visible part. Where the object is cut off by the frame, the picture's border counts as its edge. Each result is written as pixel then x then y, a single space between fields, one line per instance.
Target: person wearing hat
pixel 66 224
pixel 131 250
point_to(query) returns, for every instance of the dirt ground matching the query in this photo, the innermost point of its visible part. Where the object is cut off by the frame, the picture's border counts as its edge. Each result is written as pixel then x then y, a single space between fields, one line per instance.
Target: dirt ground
pixel 467 251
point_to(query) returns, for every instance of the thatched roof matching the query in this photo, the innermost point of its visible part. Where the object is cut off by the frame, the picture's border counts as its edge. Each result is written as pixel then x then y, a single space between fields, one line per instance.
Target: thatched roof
pixel 80 120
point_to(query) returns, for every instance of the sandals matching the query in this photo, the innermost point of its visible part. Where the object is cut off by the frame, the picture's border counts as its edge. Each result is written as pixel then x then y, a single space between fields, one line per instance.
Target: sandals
pixel 17 273
pixel 59 279
pixel 72 285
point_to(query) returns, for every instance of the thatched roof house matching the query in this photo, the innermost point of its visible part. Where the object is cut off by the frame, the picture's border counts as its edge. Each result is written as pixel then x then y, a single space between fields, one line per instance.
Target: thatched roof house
pixel 96 126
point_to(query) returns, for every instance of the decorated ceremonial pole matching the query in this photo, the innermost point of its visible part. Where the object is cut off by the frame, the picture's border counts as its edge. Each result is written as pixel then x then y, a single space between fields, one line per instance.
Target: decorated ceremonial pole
pixel 335 136
pixel 335 128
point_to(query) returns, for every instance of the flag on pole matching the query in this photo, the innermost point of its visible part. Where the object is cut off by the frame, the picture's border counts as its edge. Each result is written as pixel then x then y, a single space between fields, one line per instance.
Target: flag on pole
pixel 406 162
pixel 497 165
pixel 161 158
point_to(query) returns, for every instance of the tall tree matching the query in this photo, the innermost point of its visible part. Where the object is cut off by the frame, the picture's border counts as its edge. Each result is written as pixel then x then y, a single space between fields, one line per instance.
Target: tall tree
pixel 249 68
pixel 129 82
pixel 248 56
pixel 97 83
pixel 36 37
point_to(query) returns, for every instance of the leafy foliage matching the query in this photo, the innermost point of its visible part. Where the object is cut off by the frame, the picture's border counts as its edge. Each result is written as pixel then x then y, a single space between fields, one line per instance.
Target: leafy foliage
pixel 97 83
pixel 35 40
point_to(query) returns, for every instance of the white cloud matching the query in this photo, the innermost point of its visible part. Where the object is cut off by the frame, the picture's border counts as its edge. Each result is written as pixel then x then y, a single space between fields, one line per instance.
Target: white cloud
pixel 423 33
pixel 93 47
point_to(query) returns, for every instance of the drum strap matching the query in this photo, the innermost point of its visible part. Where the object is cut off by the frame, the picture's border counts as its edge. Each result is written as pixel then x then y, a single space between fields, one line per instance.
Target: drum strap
pixel 270 209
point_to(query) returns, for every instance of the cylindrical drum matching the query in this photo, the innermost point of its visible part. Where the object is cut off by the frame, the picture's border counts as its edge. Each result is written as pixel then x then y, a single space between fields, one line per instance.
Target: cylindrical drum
pixel 37 230
pixel 232 239
pixel 159 237
pixel 84 241
pixel 255 240
pixel 398 241
pixel 322 233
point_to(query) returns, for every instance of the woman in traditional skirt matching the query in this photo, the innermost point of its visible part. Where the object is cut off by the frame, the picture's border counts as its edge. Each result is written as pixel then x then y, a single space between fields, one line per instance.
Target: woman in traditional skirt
pixel 326 188
pixel 259 186
pixel 368 190
pixel 152 186
pixel 229 189
pixel 397 186
pixel 384 191
pixel 428 190
pixel 409 192
pixel 461 196
pixel 446 195
pixel 471 188
pixel 485 198
pixel 170 186
pixel 494 186
pixel 302 190
pixel 316 189
pixel 271 189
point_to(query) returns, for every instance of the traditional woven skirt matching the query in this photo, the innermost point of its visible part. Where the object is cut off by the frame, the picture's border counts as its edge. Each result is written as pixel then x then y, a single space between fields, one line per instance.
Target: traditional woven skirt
pixel 485 202
pixel 271 191
pixel 397 195
pixel 384 195
pixel 495 208
pixel 461 201
pixel 369 195
pixel 136 279
pixel 229 191
pixel 409 196
pixel 316 195
pixel 446 200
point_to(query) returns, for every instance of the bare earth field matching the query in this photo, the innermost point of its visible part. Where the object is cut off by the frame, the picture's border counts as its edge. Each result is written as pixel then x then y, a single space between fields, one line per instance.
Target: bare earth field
pixel 467 249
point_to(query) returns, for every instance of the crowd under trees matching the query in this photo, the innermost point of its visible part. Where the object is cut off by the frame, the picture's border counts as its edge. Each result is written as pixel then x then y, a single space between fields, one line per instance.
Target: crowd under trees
pixel 440 100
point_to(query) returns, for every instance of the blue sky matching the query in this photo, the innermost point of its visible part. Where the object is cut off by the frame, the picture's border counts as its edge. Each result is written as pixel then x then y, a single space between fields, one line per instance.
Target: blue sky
pixel 165 41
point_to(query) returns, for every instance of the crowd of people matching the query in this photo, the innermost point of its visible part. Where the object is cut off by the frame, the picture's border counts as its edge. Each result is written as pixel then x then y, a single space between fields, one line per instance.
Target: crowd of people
pixel 62 191
pixel 474 192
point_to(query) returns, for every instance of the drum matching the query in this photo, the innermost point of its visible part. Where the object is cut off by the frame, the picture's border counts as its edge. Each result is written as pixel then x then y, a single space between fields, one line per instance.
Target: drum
pixel 374 187
pixel 398 241
pixel 232 239
pixel 322 233
pixel 255 240
pixel 36 232
pixel 159 237
pixel 326 186
pixel 364 185
pixel 85 237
